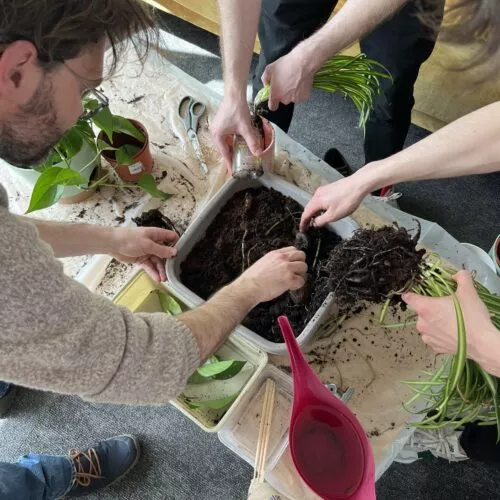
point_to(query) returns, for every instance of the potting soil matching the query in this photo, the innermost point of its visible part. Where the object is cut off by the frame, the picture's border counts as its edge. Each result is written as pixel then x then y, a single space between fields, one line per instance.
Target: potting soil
pixel 154 218
pixel 252 223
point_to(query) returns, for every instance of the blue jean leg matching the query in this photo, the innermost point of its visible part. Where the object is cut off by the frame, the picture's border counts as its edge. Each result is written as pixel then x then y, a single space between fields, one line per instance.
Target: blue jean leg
pixel 36 477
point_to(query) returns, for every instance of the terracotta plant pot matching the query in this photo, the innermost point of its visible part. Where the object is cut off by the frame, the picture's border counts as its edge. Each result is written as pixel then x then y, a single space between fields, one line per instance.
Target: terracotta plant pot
pixel 143 161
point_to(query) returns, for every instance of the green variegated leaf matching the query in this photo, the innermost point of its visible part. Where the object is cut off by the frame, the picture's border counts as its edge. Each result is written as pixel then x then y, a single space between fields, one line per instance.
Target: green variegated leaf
pixel 148 184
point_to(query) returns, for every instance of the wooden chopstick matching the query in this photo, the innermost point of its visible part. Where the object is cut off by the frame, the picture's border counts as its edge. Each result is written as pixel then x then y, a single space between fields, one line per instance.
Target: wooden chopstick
pixel 264 430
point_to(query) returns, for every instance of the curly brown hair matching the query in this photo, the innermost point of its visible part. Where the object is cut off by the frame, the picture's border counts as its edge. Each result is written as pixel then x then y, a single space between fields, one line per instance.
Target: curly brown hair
pixel 61 29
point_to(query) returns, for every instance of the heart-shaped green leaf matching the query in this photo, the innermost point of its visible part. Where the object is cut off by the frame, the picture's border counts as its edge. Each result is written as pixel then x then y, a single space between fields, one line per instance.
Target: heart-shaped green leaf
pixel 71 143
pixel 148 184
pixel 124 126
pixel 125 154
pixel 169 304
pixel 215 369
pixel 104 121
pixel 50 185
pixel 196 378
pixel 231 371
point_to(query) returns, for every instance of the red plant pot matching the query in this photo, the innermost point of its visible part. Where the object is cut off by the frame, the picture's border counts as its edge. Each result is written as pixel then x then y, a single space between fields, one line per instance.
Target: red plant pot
pixel 143 161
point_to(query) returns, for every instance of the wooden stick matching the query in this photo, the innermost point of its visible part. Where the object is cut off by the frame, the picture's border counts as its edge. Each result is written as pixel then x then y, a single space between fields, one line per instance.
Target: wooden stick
pixel 264 430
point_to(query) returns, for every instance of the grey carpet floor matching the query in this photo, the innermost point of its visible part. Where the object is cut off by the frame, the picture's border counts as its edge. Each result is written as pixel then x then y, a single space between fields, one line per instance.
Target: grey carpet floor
pixel 181 462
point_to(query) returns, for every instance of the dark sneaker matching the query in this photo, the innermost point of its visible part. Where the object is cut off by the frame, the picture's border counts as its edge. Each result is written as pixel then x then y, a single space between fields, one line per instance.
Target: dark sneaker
pixel 103 464
pixel 7 395
pixel 336 160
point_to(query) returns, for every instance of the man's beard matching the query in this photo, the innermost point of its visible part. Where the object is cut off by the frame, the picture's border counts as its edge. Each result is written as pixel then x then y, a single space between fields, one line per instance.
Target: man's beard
pixel 27 139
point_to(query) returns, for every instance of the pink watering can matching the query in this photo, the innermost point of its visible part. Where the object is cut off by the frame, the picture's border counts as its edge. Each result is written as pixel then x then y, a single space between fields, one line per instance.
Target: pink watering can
pixel 329 446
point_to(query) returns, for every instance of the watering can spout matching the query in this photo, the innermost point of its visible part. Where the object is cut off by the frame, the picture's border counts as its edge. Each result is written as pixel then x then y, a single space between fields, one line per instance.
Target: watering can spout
pixel 297 360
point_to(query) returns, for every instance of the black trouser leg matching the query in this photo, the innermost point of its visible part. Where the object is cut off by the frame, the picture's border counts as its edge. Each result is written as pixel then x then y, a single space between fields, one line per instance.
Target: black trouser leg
pixel 480 443
pixel 283 25
pixel 401 44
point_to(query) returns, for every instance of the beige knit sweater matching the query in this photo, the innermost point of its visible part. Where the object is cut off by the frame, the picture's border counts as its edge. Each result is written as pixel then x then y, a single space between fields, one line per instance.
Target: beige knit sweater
pixel 56 335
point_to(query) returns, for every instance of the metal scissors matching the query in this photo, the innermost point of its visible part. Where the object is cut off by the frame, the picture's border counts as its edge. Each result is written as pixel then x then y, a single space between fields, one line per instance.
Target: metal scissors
pixel 190 112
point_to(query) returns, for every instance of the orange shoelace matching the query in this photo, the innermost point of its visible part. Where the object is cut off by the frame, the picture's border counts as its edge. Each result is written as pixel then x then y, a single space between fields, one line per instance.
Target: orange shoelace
pixel 84 477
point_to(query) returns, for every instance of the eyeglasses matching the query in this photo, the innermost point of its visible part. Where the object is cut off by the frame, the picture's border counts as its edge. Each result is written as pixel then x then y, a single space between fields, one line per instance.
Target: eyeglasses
pixel 94 102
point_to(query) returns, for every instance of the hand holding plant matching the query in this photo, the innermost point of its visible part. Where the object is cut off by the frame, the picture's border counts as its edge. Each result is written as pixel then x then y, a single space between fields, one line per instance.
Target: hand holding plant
pixel 356 77
pixel 290 77
pixel 437 323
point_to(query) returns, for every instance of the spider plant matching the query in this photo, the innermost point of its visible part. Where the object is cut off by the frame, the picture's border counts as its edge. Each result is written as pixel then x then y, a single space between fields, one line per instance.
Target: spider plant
pixel 460 391
pixel 357 77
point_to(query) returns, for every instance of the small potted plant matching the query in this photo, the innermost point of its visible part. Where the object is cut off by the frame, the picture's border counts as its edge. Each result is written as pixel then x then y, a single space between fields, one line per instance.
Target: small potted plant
pixel 124 142
pixel 68 169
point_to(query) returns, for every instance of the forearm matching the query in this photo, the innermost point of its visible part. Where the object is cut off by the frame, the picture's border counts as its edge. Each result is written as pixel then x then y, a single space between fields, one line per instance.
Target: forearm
pixel 69 240
pixel 239 20
pixel 467 146
pixel 356 19
pixel 212 322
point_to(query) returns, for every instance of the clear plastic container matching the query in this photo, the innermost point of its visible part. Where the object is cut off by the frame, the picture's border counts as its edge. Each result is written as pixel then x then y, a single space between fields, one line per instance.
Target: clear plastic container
pixel 138 296
pixel 240 432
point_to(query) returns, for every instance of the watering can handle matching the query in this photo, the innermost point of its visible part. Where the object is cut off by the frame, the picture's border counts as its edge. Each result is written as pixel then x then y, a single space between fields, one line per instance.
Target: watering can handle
pixel 299 364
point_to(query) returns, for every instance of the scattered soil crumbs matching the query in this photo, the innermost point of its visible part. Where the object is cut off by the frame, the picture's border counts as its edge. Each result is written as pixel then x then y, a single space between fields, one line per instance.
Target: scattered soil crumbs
pixel 252 223
pixel 114 279
pixel 154 218
pixel 372 264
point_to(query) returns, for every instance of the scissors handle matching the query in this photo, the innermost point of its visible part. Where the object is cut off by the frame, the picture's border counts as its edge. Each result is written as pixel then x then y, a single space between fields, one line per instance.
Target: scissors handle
pixel 190 112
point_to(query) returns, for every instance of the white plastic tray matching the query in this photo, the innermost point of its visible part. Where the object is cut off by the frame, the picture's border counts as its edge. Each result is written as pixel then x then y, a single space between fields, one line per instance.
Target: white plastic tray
pixel 195 232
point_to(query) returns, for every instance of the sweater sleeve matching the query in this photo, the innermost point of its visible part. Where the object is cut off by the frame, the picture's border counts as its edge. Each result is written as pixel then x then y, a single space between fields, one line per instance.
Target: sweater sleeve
pixel 56 335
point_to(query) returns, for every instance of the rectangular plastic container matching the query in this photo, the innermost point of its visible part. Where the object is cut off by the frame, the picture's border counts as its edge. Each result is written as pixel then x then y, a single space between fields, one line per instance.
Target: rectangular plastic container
pixel 196 230
pixel 241 430
pixel 139 295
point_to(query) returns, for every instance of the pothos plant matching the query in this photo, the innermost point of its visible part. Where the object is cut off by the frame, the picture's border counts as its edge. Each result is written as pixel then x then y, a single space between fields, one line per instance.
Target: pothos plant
pixel 213 369
pixel 58 170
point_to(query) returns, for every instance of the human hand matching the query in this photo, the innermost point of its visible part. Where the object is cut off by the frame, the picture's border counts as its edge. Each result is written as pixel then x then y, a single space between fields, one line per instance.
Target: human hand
pixel 333 201
pixel 290 77
pixel 275 273
pixel 233 117
pixel 145 246
pixel 437 323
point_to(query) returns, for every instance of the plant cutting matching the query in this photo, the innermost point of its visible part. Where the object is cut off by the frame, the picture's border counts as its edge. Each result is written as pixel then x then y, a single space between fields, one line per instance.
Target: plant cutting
pixel 357 77
pixel 378 266
pixel 61 169
pixel 212 370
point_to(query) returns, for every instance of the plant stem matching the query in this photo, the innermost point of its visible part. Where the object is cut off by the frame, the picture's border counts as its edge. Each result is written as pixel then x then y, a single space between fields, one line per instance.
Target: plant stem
pixel 63 158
